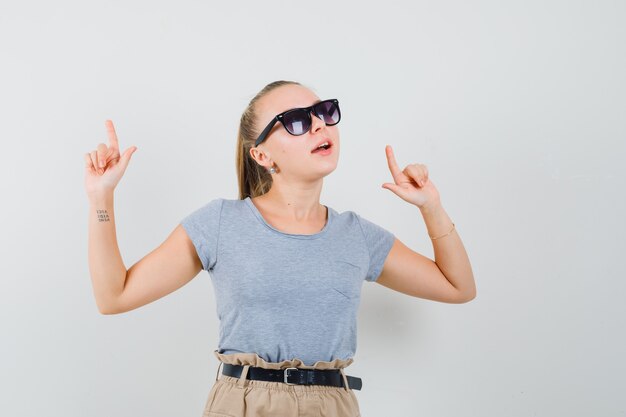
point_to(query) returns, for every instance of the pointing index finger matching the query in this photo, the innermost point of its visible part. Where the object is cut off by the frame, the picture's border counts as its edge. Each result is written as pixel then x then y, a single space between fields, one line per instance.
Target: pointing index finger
pixel 112 135
pixel 391 161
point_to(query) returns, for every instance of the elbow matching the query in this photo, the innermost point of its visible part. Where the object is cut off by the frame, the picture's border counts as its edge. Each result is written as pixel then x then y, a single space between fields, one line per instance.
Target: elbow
pixel 107 304
pixel 469 294
pixel 106 310
pixel 462 297
pixel 468 297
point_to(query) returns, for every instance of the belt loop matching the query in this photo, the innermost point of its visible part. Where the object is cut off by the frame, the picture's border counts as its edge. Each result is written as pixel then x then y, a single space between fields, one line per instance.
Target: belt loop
pixel 345 379
pixel 243 378
pixel 218 370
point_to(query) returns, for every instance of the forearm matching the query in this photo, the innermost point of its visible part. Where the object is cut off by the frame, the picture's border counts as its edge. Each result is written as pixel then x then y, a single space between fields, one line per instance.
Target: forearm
pixel 106 267
pixel 450 254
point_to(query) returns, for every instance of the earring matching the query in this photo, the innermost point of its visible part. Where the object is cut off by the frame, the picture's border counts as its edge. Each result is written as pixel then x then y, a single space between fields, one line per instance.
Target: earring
pixel 272 170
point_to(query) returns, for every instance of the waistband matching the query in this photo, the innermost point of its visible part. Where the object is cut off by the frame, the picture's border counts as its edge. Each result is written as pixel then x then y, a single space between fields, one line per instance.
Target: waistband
pixel 294 376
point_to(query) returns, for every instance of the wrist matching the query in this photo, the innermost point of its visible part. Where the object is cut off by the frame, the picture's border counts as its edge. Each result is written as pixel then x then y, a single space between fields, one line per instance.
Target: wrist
pixel 100 198
pixel 431 207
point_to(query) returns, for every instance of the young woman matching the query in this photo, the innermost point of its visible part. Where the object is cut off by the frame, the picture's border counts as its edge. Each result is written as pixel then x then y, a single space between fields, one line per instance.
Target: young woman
pixel 287 271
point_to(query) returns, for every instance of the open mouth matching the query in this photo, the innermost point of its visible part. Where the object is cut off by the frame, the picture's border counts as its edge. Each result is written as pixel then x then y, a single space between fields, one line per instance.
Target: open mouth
pixel 323 147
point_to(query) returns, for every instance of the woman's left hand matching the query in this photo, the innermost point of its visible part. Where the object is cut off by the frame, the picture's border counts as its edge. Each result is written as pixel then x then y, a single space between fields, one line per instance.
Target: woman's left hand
pixel 412 183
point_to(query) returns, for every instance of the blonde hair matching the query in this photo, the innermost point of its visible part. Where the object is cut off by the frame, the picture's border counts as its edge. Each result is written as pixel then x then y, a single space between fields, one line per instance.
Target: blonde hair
pixel 253 179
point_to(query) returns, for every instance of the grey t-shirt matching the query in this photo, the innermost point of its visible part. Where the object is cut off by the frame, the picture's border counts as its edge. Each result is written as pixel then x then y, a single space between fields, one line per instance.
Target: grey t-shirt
pixel 286 296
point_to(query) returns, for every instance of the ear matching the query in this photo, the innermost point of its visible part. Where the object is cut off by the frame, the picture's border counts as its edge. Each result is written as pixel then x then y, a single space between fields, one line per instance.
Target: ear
pixel 260 157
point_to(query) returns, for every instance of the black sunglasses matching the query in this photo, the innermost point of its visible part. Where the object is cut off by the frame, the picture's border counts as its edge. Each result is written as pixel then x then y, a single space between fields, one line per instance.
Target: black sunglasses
pixel 298 121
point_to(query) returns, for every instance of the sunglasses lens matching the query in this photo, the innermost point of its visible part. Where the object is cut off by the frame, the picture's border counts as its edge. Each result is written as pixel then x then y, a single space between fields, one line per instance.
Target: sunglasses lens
pixel 297 122
pixel 329 112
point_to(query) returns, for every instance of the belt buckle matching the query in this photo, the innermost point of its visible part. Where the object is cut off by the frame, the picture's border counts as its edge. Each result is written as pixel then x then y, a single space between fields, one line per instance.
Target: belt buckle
pixel 287 374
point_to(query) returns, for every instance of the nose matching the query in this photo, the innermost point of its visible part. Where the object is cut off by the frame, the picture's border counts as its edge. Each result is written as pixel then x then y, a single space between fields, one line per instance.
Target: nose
pixel 316 122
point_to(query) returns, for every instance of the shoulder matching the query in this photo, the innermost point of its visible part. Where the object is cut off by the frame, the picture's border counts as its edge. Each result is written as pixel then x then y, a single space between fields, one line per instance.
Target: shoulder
pixel 371 230
pixel 354 219
pixel 347 219
pixel 220 203
pixel 207 215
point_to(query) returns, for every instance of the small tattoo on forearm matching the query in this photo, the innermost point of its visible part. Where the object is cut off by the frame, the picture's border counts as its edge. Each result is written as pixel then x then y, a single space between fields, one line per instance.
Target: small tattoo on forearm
pixel 103 216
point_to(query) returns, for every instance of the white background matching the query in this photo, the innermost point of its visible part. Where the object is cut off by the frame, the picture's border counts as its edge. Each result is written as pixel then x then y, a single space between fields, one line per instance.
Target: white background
pixel 516 107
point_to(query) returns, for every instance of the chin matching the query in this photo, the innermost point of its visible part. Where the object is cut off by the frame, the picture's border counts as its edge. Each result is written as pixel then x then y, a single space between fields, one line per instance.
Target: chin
pixel 329 170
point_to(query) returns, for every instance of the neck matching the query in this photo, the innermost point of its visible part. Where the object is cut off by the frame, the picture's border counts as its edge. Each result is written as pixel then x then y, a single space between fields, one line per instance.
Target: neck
pixel 295 204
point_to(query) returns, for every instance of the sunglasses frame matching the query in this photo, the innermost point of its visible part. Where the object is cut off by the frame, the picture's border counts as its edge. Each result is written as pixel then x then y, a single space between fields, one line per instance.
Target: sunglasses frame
pixel 308 110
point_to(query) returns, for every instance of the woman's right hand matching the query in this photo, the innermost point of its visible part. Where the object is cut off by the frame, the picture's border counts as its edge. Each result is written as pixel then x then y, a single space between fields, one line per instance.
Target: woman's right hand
pixel 105 166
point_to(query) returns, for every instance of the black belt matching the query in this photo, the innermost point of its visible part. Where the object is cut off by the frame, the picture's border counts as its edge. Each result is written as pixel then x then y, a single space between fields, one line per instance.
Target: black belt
pixel 294 376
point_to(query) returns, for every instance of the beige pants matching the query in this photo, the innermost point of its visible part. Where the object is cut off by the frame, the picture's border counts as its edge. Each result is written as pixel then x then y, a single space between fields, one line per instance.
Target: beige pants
pixel 241 397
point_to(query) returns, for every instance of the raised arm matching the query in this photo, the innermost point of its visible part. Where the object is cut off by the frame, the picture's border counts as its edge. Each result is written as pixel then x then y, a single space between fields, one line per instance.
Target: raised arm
pixel 163 270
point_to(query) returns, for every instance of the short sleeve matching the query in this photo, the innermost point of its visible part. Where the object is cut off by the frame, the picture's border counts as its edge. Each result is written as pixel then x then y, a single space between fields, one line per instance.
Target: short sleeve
pixel 203 227
pixel 378 241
